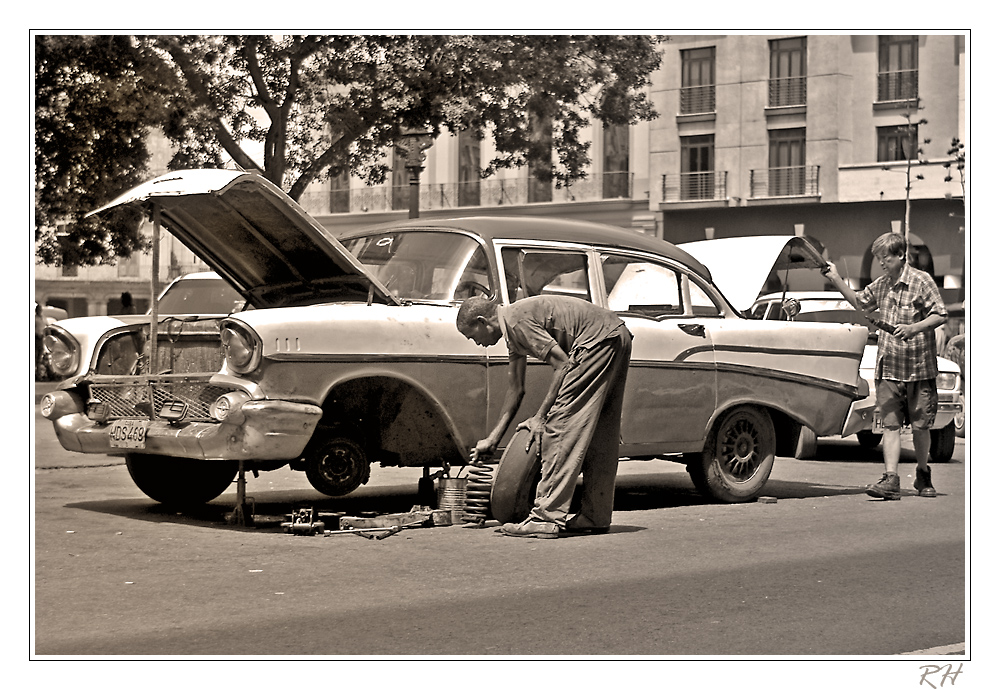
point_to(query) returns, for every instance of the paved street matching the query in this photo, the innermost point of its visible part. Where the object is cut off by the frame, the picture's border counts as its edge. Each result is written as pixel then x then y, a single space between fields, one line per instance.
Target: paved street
pixel 825 570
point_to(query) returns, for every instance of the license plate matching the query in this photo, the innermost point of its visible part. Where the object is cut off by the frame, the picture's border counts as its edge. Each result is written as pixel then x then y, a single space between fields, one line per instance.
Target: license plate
pixel 877 422
pixel 128 433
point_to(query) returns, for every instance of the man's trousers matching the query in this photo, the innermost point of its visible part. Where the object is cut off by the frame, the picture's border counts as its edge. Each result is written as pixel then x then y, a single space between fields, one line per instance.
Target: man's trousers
pixel 582 434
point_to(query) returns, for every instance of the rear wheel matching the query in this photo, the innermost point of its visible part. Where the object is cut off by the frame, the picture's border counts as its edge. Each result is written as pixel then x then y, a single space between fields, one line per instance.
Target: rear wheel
pixel 943 443
pixel 738 456
pixel 336 466
pixel 805 448
pixel 180 481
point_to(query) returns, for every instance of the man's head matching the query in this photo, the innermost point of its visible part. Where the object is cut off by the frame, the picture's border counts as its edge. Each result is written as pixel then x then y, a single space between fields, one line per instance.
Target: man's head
pixel 890 250
pixel 477 320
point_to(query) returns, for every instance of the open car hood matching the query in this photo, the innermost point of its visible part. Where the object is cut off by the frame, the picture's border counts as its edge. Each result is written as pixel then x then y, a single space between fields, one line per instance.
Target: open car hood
pixel 253 235
pixel 740 265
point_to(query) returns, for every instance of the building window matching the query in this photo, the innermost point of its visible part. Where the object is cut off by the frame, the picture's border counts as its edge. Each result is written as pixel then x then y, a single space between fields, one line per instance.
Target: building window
pixel 786 162
pixel 340 192
pixel 698 167
pixel 541 136
pixel 468 169
pixel 897 68
pixel 616 177
pixel 698 81
pixel 897 143
pixel 787 85
pixel 400 182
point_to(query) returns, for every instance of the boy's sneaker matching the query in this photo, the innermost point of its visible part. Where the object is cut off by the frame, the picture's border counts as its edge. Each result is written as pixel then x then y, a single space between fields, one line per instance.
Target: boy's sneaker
pixel 923 483
pixel 887 487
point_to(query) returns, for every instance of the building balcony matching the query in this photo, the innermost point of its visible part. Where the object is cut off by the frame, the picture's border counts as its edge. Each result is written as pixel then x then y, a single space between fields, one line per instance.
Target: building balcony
pixel 696 186
pixel 786 182
pixel 697 99
pixel 478 193
pixel 900 87
pixel 786 91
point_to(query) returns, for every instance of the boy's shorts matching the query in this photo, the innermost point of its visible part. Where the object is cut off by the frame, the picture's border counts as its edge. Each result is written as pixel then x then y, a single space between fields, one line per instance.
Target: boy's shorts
pixel 913 401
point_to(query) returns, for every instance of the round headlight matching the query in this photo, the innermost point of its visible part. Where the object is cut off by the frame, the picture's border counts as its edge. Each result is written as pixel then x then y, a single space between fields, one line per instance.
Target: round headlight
pixel 63 351
pixel 240 348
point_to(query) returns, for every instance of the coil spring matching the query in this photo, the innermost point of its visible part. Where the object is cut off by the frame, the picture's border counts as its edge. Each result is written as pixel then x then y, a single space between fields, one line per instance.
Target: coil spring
pixel 477 494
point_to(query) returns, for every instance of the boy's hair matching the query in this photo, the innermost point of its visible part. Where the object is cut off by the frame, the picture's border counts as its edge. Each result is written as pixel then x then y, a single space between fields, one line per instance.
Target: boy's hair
pixel 473 308
pixel 889 243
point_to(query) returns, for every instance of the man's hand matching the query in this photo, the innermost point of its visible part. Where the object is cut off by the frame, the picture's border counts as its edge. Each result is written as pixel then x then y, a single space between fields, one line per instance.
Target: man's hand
pixel 535 425
pixel 905 331
pixel 830 271
pixel 483 450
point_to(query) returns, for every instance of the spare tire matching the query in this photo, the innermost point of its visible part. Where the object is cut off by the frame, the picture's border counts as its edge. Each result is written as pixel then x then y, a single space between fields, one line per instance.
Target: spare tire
pixel 515 480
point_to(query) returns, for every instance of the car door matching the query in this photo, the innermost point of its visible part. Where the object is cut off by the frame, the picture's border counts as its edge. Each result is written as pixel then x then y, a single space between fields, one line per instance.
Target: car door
pixel 530 269
pixel 671 392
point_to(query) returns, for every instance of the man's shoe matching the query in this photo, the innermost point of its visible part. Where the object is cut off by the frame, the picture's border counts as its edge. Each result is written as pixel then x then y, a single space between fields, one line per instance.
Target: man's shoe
pixel 575 526
pixel 923 484
pixel 887 488
pixel 531 528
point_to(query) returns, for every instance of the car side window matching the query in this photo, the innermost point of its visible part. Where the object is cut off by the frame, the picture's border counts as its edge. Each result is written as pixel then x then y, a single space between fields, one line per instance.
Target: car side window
pixel 640 287
pixel 530 272
pixel 701 303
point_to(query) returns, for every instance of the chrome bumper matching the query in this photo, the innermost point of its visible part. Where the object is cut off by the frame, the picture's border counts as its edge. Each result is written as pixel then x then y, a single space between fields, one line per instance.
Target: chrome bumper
pixel 258 430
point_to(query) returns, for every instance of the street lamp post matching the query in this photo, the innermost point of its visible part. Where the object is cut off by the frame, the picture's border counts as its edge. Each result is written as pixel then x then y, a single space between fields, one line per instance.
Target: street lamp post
pixel 413 144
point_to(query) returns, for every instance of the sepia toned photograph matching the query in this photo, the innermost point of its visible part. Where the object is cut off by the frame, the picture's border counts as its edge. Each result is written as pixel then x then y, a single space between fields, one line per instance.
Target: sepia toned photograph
pixel 444 347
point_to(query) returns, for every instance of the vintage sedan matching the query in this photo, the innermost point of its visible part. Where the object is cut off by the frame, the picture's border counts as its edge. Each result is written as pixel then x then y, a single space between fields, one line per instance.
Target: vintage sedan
pixel 831 307
pixel 351 355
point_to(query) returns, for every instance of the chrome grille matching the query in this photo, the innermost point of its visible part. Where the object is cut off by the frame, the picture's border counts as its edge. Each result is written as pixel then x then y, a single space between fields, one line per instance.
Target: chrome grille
pixel 145 400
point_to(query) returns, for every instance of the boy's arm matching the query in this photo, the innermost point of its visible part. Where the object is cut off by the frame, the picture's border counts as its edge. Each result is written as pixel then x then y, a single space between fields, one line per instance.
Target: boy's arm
pixel 834 277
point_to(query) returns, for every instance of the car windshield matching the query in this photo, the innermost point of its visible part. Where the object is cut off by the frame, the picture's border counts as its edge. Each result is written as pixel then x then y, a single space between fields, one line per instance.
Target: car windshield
pixel 200 296
pixel 425 266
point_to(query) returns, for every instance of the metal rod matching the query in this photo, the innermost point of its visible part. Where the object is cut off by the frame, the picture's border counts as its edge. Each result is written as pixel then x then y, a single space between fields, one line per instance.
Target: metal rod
pixel 154 312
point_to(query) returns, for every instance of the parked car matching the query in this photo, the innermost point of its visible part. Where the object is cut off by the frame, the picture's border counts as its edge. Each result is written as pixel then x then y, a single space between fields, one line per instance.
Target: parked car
pixel 49 315
pixel 202 298
pixel 351 355
pixel 831 307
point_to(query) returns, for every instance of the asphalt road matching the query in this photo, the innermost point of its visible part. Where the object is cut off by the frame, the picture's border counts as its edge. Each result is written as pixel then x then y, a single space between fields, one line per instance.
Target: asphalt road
pixel 824 571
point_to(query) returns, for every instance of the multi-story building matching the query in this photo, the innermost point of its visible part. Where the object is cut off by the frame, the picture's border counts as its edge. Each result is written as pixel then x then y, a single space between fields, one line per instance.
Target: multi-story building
pixel 813 135
pixel 756 134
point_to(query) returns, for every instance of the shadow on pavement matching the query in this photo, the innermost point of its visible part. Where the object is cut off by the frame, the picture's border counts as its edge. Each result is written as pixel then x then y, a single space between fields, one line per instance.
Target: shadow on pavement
pixel 633 492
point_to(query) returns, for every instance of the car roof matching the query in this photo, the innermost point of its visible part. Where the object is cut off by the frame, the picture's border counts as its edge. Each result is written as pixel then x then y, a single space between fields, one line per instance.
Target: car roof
pixel 492 228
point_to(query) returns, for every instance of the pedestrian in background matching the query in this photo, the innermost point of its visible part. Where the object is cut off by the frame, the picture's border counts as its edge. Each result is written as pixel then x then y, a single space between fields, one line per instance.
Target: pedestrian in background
pixel 906 367
pixel 127 306
pixel 577 427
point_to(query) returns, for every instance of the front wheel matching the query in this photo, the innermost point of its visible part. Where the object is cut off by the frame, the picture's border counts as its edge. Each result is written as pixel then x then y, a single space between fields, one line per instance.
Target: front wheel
pixel 180 481
pixel 869 440
pixel 738 456
pixel 336 466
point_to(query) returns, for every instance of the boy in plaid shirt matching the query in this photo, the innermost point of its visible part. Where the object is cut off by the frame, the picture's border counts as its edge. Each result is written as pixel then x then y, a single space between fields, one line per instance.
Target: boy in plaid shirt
pixel 906 367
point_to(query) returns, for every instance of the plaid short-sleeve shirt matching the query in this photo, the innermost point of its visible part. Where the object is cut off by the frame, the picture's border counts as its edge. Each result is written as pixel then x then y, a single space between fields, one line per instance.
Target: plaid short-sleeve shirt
pixel 909 300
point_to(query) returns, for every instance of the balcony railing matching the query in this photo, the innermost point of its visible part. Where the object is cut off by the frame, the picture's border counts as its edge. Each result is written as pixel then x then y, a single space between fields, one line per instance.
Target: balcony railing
pixel 786 91
pixel 697 99
pixel 798 180
pixel 897 86
pixel 501 192
pixel 696 186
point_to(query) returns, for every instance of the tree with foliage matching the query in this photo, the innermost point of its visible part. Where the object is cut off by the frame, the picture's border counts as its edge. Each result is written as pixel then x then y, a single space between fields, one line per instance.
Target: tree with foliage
pixel 319 105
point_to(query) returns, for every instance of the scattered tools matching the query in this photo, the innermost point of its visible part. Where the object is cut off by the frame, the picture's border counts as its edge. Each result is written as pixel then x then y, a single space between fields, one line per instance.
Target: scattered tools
pixel 304 522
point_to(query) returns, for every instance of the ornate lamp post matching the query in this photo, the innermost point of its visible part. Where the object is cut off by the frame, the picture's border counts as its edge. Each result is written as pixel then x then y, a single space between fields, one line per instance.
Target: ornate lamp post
pixel 413 144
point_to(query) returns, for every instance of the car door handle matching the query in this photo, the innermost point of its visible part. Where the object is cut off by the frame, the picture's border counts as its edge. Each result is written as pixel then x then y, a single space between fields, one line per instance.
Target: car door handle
pixel 695 329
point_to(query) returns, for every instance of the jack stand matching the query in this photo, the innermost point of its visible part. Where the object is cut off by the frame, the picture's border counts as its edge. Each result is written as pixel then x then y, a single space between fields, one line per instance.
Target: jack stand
pixel 426 495
pixel 240 516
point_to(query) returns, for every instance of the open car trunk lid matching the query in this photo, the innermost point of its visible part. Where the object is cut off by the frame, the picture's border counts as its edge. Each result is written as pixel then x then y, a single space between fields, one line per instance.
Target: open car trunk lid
pixel 253 234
